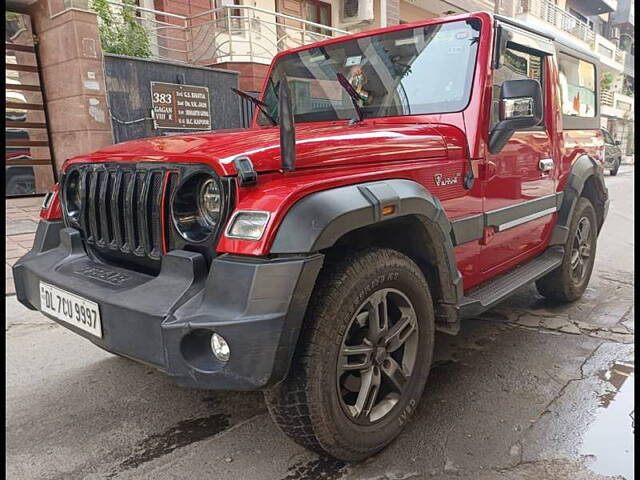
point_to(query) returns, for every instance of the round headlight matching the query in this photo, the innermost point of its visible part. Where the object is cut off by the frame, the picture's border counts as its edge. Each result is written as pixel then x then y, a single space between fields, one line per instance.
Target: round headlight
pixel 197 207
pixel 209 202
pixel 72 196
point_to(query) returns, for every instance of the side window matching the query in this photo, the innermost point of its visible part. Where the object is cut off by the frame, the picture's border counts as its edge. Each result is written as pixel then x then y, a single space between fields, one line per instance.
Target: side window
pixel 577 80
pixel 517 65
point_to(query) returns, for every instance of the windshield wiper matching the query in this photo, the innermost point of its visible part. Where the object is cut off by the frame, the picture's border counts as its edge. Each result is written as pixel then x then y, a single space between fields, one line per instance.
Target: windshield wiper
pixel 355 96
pixel 258 103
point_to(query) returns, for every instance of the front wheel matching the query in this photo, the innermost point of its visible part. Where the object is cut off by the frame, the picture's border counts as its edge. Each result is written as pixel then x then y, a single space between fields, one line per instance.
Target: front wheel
pixel 363 357
pixel 569 281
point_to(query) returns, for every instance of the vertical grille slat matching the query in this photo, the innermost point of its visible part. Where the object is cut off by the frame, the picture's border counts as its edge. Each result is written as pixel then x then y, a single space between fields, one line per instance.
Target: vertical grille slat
pixel 155 212
pixel 103 207
pixel 94 234
pixel 84 194
pixel 114 206
pixel 143 181
pixel 129 212
pixel 170 188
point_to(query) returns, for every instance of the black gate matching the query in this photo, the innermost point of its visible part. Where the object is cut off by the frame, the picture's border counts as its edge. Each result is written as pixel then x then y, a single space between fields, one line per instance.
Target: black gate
pixel 128 82
pixel 246 110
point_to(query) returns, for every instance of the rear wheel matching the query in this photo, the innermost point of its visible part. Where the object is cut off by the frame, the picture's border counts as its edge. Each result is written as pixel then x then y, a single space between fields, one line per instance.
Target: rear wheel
pixel 363 357
pixel 616 166
pixel 569 281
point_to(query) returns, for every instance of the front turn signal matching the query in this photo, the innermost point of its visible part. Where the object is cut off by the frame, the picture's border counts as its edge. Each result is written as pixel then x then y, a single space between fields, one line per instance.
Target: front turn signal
pixel 247 225
pixel 51 209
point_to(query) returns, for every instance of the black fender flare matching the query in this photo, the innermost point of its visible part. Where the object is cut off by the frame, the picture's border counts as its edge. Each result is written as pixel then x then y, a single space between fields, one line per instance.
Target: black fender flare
pixel 318 220
pixel 581 170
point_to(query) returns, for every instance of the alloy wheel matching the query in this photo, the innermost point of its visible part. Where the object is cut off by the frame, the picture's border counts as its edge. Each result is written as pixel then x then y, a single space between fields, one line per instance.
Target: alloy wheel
pixel 377 356
pixel 581 250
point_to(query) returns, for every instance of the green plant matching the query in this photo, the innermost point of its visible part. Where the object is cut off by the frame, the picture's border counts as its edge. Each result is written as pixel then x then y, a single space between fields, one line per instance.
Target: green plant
pixel 121 33
pixel 606 80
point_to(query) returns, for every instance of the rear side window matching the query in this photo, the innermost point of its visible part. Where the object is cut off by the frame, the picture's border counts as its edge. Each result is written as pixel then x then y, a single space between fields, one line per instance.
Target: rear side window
pixel 517 65
pixel 577 79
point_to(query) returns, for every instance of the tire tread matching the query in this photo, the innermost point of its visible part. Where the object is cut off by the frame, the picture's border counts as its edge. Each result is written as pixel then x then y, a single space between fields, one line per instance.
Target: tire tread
pixel 288 402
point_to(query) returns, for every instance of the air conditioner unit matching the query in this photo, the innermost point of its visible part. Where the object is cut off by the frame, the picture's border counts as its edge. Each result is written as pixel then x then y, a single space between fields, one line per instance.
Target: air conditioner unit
pixel 356 11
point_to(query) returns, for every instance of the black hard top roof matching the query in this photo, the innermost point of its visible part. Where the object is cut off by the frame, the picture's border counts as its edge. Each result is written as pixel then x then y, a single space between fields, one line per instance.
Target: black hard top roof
pixel 573 47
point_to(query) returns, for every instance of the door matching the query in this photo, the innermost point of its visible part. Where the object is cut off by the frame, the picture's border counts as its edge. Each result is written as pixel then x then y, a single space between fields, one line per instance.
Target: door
pixel 291 33
pixel 519 195
pixel 319 12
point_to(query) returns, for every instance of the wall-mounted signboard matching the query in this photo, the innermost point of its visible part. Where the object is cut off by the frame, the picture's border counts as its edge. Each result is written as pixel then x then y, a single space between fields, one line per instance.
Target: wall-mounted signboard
pixel 177 106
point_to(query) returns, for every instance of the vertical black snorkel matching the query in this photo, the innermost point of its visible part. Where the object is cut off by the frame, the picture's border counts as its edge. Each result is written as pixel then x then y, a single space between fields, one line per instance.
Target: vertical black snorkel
pixel 287 127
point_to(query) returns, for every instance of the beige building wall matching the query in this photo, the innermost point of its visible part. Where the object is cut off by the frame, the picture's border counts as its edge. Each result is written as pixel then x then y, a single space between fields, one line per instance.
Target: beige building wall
pixel 73 80
pixel 411 13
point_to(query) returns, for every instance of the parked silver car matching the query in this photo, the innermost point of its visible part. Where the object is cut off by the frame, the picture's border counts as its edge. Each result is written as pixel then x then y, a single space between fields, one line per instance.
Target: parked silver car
pixel 612 152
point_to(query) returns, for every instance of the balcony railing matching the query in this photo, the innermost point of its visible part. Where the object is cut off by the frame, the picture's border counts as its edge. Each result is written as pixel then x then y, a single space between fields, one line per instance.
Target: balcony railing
pixel 556 16
pixel 606 98
pixel 610 53
pixel 227 34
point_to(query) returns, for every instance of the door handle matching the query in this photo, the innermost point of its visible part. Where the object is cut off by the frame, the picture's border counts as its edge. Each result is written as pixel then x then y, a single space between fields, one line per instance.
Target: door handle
pixel 488 170
pixel 545 164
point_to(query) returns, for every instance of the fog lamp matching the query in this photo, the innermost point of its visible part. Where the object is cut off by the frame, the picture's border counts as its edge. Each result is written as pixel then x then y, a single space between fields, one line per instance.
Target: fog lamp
pixel 220 347
pixel 247 225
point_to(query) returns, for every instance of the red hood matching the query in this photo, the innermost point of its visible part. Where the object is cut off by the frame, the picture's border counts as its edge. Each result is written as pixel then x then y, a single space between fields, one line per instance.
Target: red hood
pixel 324 145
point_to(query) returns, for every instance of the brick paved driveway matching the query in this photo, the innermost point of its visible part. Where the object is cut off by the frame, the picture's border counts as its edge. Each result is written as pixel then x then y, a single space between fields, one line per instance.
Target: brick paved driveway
pixel 20 224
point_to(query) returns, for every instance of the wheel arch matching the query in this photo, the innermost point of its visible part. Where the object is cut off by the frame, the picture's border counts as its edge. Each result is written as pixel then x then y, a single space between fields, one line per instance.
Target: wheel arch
pixel 585 180
pixel 372 214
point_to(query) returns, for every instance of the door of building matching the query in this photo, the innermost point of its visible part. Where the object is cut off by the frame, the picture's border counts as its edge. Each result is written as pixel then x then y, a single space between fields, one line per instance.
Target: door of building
pixel 319 12
pixel 290 32
pixel 28 162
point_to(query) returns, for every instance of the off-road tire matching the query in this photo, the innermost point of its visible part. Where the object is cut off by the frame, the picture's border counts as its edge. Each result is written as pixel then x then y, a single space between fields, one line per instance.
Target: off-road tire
pixel 559 284
pixel 306 406
pixel 616 166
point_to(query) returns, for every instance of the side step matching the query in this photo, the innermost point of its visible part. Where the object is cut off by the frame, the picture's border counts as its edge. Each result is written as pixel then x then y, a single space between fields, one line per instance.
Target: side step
pixel 494 291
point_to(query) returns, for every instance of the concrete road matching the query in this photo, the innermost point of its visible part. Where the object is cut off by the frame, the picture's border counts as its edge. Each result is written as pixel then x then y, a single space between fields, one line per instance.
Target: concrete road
pixel 532 390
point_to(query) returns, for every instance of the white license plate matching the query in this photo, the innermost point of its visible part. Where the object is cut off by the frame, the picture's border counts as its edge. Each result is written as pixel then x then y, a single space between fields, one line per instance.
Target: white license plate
pixel 71 309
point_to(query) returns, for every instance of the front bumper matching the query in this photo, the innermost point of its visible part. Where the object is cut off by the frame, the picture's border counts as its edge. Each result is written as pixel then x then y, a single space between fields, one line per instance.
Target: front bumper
pixel 167 320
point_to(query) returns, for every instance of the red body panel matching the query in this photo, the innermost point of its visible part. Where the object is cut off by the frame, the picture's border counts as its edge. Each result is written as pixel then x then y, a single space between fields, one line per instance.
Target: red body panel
pixel 332 154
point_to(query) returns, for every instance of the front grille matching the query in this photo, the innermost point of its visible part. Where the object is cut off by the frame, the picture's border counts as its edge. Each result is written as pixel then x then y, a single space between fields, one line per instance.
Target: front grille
pixel 121 207
pixel 124 210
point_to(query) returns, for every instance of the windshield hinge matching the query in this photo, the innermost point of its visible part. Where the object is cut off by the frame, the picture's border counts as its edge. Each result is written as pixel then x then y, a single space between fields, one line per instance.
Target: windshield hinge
pixel 468 180
pixel 247 176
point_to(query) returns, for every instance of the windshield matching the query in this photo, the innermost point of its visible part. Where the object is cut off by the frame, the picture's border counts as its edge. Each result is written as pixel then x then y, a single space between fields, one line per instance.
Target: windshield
pixel 407 72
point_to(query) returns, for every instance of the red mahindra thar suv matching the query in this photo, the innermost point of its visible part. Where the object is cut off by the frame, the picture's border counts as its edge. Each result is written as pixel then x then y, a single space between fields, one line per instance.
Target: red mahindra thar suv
pixel 393 183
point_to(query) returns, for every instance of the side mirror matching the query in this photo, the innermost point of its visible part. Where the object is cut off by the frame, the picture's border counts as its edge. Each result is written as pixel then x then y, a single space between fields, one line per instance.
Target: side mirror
pixel 617 142
pixel 520 107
